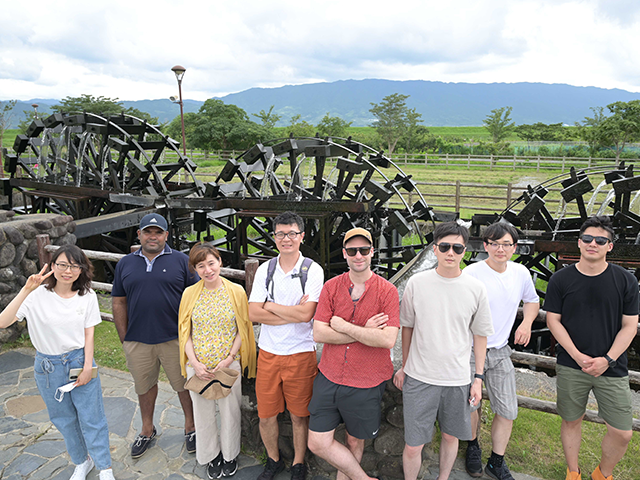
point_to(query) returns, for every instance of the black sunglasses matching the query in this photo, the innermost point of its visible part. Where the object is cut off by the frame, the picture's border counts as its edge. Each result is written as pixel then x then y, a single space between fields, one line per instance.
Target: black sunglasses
pixel 590 238
pixel 444 247
pixel 352 251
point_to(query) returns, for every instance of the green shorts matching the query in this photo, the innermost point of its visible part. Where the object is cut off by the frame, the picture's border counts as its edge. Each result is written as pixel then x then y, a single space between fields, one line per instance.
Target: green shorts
pixel 612 394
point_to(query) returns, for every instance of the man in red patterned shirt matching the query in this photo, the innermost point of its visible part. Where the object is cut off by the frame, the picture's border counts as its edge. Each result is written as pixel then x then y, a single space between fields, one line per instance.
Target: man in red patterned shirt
pixel 357 319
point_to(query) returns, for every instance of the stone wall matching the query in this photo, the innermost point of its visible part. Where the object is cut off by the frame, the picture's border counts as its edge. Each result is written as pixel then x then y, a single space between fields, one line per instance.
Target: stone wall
pixel 19 254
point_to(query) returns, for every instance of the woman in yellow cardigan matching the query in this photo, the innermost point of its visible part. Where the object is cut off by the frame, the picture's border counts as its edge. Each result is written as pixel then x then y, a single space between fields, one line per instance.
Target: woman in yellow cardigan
pixel 215 332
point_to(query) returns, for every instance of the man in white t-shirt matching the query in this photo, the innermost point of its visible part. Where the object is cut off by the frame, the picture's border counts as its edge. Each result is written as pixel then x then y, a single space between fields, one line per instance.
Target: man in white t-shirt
pixel 442 314
pixel 287 364
pixel 508 284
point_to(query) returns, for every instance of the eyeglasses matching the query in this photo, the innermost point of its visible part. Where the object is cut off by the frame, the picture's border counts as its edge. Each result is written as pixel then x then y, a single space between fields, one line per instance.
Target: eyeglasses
pixel 352 251
pixel 64 266
pixel 590 238
pixel 291 235
pixel 498 245
pixel 444 247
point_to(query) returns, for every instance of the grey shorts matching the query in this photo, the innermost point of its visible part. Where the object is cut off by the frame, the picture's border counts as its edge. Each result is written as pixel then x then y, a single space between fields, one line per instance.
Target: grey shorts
pixel 500 382
pixel 424 403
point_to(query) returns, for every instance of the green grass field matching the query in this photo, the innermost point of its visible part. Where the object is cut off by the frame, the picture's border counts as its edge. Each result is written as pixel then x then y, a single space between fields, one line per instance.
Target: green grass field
pixel 9 137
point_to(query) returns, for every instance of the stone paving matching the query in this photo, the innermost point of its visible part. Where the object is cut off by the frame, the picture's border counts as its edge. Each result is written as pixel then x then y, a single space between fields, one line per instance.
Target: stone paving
pixel 32 448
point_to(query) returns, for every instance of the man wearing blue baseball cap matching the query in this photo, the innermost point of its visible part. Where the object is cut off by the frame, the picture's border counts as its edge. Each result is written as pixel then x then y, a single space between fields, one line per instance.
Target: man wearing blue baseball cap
pixel 147 288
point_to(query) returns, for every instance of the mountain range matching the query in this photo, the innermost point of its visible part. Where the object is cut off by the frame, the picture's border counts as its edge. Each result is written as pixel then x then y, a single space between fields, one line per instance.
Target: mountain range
pixel 441 104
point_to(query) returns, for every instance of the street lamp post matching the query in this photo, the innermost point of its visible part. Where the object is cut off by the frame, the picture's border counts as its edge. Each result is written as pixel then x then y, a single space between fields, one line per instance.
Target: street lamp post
pixel 179 71
pixel 35 109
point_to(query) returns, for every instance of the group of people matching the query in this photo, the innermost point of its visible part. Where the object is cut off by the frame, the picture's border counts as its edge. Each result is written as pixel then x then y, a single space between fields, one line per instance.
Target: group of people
pixel 176 311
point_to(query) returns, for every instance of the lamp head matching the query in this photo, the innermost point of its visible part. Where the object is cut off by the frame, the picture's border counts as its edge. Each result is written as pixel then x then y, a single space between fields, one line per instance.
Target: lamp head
pixel 179 71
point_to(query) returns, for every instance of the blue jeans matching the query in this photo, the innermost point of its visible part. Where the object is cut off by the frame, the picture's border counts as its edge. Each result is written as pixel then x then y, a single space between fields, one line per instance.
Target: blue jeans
pixel 80 416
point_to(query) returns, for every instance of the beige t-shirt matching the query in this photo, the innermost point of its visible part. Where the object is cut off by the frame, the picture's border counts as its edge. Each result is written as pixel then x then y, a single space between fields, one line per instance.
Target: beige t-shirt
pixel 444 313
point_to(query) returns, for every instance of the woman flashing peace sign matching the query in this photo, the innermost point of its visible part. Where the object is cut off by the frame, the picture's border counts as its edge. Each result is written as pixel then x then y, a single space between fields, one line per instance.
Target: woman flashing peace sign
pixel 62 312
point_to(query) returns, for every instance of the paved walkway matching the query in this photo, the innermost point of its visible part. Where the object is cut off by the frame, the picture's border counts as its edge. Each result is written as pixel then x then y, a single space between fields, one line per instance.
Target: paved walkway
pixel 32 448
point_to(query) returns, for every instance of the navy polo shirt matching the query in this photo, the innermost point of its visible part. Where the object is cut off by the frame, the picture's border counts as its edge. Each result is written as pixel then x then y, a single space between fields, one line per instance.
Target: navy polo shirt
pixel 153 290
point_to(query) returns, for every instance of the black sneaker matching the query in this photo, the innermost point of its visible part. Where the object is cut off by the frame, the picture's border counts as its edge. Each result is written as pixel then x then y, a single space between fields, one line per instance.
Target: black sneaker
pixel 473 462
pixel 214 468
pixel 190 441
pixel 229 468
pixel 499 473
pixel 271 469
pixel 299 471
pixel 141 443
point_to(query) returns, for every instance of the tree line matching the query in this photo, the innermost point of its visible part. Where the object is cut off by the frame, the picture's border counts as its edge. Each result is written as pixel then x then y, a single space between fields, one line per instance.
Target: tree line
pixel 220 126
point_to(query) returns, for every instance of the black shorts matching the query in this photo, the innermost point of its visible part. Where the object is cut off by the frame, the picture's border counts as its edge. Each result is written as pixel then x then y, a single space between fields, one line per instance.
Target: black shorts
pixel 357 408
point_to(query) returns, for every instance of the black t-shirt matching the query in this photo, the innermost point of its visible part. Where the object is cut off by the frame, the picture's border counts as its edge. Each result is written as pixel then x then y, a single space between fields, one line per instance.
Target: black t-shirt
pixel 592 309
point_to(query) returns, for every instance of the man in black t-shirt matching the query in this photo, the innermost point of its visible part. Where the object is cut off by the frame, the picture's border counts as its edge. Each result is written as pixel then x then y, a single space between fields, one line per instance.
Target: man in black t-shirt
pixel 592 311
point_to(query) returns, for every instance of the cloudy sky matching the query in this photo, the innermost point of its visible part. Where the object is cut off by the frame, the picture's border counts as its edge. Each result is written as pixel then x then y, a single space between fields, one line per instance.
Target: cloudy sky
pixel 125 49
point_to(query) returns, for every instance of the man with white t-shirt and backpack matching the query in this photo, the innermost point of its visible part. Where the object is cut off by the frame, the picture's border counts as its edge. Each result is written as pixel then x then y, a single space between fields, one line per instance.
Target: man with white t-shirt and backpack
pixel 507 284
pixel 283 299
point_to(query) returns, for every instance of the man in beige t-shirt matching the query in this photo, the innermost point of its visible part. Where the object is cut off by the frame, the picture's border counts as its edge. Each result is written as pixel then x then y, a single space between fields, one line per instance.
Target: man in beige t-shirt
pixel 443 314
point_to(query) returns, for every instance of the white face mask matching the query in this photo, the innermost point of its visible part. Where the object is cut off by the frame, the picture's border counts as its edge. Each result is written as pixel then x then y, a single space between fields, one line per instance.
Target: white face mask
pixel 59 395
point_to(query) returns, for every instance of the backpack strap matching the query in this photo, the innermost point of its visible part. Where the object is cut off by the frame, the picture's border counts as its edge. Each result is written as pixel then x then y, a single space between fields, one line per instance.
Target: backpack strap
pixel 302 274
pixel 270 271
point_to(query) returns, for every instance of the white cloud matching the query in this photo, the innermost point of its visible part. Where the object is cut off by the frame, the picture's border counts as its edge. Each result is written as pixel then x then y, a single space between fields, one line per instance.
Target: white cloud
pixel 125 49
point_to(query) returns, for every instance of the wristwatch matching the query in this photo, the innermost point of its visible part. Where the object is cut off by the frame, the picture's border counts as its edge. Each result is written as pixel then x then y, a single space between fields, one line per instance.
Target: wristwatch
pixel 612 362
pixel 478 375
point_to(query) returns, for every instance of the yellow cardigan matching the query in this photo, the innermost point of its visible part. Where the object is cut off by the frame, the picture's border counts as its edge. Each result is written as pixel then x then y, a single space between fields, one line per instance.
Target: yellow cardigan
pixel 245 327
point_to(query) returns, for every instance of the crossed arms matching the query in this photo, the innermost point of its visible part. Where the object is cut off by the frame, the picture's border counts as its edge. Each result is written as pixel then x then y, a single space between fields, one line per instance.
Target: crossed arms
pixel 270 313
pixel 375 332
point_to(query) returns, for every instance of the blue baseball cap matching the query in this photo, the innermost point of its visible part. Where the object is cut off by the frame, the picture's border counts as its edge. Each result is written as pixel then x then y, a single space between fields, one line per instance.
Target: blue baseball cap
pixel 153 220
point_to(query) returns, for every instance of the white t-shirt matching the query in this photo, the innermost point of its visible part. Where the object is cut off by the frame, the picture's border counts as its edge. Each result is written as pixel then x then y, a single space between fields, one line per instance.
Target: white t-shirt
pixel 505 291
pixel 287 290
pixel 56 324
pixel 444 313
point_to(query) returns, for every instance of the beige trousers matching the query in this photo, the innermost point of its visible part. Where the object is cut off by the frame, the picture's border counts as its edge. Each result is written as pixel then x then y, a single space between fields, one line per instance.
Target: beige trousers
pixel 208 442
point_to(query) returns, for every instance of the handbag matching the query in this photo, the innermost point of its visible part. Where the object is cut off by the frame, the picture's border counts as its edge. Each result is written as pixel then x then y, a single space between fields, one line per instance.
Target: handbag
pixel 214 389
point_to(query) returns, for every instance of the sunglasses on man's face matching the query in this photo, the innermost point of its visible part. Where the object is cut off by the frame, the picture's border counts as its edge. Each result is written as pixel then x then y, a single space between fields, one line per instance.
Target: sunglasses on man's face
pixel 590 238
pixel 352 251
pixel 444 247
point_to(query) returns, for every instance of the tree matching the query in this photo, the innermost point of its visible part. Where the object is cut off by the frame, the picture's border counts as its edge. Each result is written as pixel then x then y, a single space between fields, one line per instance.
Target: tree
pixel 174 129
pixel 333 126
pixel 300 128
pixel 6 113
pixel 393 119
pixel 412 129
pixel 268 119
pixel 622 127
pixel 613 131
pixel 103 106
pixel 541 132
pixel 589 131
pixel 221 126
pixel 499 123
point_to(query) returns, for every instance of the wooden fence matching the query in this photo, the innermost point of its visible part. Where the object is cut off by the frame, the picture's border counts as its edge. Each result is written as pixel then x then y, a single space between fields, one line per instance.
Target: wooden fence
pixel 45 249
pixel 456 196
pixel 491 162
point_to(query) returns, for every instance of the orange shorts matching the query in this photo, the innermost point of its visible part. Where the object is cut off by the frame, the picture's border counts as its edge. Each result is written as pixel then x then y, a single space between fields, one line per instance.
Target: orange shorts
pixel 285 378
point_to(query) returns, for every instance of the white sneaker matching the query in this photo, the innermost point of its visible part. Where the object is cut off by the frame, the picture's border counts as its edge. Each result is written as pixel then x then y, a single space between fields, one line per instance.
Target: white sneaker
pixel 81 471
pixel 107 474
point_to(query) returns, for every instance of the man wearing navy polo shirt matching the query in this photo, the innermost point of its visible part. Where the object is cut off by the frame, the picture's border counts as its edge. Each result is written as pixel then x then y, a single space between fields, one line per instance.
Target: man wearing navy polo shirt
pixel 147 288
